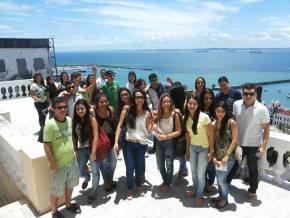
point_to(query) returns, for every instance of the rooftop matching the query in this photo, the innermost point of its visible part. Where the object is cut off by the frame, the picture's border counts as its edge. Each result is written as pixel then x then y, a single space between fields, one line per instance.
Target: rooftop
pixel 272 200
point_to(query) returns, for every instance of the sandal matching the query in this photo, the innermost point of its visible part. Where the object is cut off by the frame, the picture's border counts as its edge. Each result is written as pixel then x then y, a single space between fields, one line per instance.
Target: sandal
pixel 221 203
pixel 57 215
pixel 74 208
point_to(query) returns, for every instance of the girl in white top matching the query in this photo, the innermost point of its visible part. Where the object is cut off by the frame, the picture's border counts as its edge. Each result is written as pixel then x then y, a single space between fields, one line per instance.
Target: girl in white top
pixel 132 79
pixel 165 131
pixel 138 123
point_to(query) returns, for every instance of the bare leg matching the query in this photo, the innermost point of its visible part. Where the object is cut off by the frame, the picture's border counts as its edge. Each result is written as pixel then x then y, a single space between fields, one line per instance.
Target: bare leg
pixel 68 194
pixel 54 203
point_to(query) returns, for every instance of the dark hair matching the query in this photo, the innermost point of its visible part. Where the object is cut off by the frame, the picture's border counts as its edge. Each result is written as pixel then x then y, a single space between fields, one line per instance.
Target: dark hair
pixel 224 121
pixel 223 79
pixel 57 100
pixel 68 83
pixel 152 75
pixel 249 86
pixel 120 103
pixel 36 75
pixel 86 130
pixel 132 112
pixel 139 83
pixel 103 70
pixel 132 73
pixel 98 97
pixel 88 80
pixel 204 83
pixel 196 114
pixel 110 72
pixel 178 96
pixel 74 75
pixel 259 90
pixel 61 79
pixel 52 87
pixel 202 105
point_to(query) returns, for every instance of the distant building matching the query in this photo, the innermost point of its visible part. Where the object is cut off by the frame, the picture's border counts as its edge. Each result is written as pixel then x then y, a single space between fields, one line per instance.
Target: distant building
pixel 282 118
pixel 21 58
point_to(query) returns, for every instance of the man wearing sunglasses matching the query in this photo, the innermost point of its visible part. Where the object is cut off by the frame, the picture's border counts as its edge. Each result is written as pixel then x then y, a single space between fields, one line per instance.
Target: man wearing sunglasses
pixel 60 154
pixel 253 121
pixel 71 96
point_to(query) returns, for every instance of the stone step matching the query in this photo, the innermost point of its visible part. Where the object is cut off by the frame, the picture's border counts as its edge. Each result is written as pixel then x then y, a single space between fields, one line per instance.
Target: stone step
pixel 18 209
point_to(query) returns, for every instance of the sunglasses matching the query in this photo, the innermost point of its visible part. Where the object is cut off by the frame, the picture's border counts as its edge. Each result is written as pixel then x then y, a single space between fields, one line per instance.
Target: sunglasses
pixel 251 94
pixel 61 107
pixel 70 87
pixel 139 97
pixel 153 80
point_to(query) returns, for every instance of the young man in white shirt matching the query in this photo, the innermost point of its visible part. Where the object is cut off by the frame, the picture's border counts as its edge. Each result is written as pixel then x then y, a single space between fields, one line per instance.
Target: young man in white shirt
pixel 253 121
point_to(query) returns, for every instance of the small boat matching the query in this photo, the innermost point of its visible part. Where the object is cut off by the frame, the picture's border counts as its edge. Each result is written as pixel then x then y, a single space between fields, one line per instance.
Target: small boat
pixel 256 52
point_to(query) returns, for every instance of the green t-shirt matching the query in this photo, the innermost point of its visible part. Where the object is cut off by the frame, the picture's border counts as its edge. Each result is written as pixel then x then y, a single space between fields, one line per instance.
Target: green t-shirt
pixel 59 135
pixel 111 91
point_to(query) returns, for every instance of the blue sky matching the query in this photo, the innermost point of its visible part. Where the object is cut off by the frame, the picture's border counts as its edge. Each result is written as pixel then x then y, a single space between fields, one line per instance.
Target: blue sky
pixel 162 24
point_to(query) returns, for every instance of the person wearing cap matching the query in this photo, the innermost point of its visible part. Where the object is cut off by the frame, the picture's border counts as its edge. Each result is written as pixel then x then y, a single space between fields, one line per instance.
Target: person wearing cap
pixel 111 88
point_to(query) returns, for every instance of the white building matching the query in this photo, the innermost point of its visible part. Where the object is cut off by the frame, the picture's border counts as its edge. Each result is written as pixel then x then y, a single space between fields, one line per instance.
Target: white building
pixel 282 117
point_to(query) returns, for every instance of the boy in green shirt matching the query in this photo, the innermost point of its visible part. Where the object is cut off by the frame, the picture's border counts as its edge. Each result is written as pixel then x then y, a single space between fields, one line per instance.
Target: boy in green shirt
pixel 111 88
pixel 59 151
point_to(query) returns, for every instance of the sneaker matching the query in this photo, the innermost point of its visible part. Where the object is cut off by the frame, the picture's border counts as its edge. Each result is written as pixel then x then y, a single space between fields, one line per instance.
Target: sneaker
pixel 85 183
pixel 140 191
pixel 251 196
pixel 130 195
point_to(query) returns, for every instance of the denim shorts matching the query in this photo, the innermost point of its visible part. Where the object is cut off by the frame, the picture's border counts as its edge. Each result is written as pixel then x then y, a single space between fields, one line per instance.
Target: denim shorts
pixel 65 177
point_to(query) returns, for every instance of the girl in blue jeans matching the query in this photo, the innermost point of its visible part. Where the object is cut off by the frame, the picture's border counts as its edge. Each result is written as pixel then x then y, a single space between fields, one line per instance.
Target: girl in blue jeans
pixel 225 140
pixel 199 142
pixel 138 123
pixel 165 131
pixel 85 139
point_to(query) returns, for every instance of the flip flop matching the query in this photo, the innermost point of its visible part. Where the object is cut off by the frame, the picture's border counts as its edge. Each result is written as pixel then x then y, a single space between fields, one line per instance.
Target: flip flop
pixel 74 208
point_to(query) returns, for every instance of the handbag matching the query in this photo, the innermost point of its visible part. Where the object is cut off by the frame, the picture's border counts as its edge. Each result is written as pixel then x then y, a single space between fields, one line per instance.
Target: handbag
pixel 104 145
pixel 179 142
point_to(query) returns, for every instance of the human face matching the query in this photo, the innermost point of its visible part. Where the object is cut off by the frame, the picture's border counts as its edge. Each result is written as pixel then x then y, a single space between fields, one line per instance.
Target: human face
pixel 220 113
pixel 166 104
pixel 71 88
pixel 91 79
pixel 192 105
pixel 249 96
pixel 103 74
pixel 81 110
pixel 51 80
pixel 207 99
pixel 154 82
pixel 64 77
pixel 200 84
pixel 78 80
pixel 139 99
pixel 225 87
pixel 143 86
pixel 110 77
pixel 60 111
pixel 132 78
pixel 103 102
pixel 125 97
pixel 38 79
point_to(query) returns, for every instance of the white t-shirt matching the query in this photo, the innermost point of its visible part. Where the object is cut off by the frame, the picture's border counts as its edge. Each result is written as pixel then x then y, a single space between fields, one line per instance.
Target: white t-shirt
pixel 249 121
pixel 100 82
pixel 130 86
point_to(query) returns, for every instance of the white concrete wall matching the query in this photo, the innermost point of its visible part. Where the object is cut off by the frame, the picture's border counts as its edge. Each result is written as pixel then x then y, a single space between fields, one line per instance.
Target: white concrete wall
pixel 9 55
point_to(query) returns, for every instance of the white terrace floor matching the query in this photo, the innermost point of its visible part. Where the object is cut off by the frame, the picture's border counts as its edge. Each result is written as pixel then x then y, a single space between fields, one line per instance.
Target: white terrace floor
pixel 272 201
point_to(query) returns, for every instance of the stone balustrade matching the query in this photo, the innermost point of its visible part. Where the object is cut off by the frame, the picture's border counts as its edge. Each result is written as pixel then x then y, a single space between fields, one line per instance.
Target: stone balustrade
pixel 14 89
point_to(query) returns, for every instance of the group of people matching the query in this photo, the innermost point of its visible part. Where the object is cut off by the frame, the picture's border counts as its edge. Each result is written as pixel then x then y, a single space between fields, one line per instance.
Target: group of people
pixel 95 122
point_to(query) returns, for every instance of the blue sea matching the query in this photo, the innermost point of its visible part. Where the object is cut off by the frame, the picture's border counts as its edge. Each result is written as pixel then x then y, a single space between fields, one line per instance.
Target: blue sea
pixel 239 66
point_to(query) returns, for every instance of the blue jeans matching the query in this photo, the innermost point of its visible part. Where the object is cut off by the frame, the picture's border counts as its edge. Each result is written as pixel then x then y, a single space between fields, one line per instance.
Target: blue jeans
pixel 96 166
pixel 83 158
pixel 134 157
pixel 165 157
pixel 182 166
pixel 108 169
pixel 223 186
pixel 210 173
pixel 198 163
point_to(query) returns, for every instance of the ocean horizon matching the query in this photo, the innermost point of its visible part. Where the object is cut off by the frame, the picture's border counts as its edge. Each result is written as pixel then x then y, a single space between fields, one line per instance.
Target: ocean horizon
pixel 240 65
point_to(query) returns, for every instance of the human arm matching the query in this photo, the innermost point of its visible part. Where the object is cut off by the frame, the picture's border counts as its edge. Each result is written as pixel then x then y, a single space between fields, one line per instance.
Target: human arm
pixel 209 131
pixel 263 145
pixel 118 132
pixel 49 156
pixel 95 139
pixel 233 145
pixel 91 87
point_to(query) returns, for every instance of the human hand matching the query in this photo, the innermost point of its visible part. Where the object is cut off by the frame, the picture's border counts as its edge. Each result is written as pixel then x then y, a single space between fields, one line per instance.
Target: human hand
pixel 225 160
pixel 93 156
pixel 53 167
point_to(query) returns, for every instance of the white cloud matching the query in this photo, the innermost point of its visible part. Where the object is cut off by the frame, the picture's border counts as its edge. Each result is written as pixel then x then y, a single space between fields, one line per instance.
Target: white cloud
pixel 59 2
pixel 217 6
pixel 10 7
pixel 251 1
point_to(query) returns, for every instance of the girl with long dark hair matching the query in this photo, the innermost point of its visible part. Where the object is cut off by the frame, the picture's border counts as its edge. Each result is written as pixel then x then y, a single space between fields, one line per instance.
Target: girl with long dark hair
pixel 168 127
pixel 225 141
pixel 124 98
pixel 107 121
pixel 85 140
pixel 132 79
pixel 63 80
pixel 199 86
pixel 199 145
pixel 138 124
